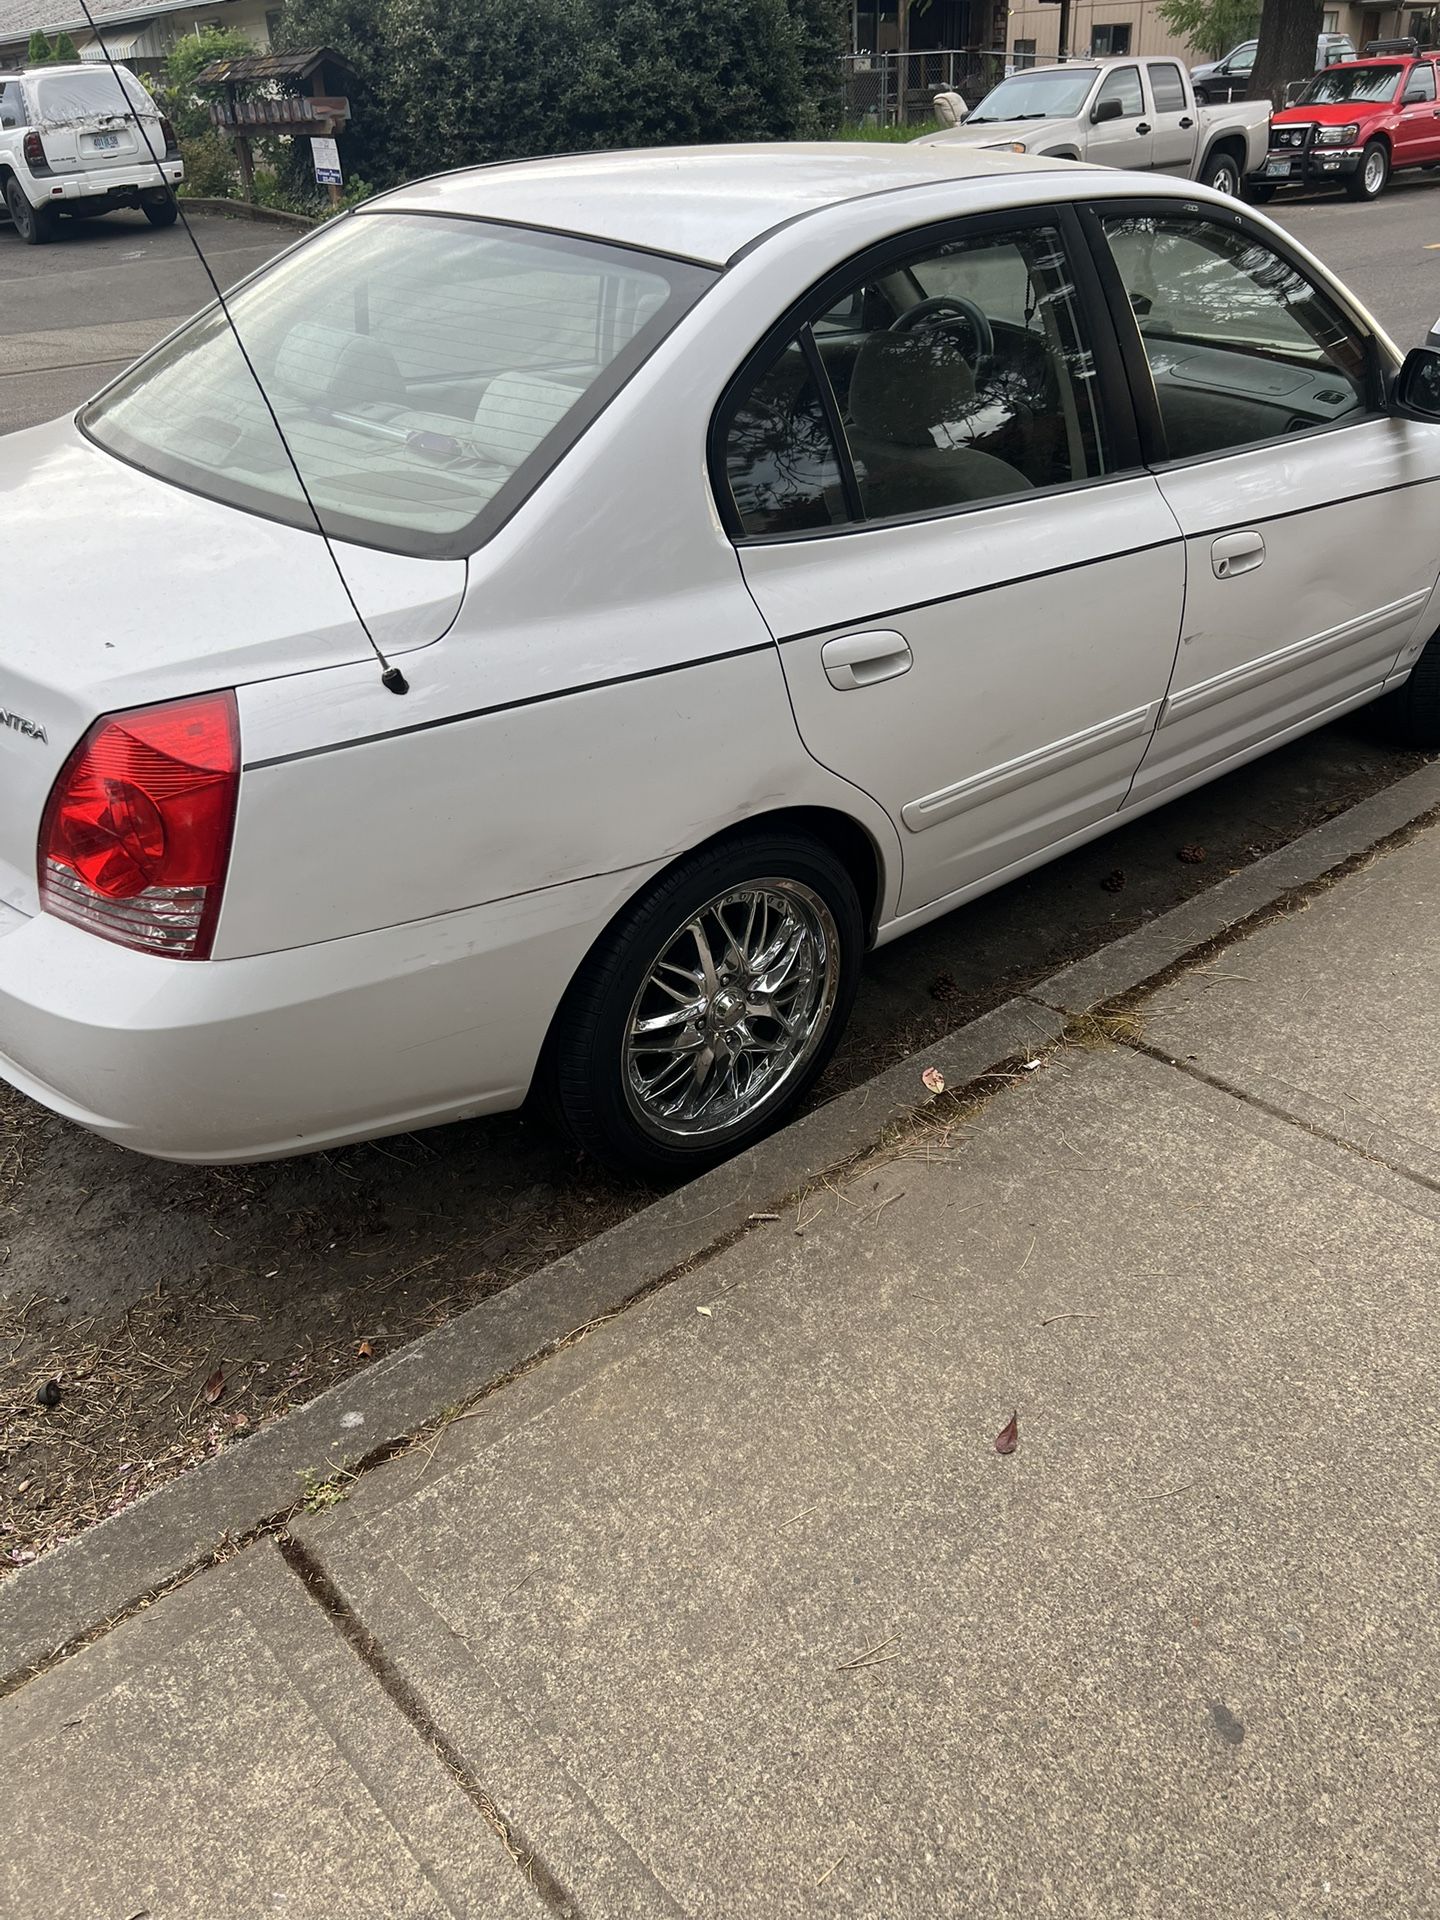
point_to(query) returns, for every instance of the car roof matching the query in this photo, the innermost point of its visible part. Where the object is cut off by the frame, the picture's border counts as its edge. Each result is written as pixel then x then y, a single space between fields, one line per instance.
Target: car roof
pixel 699 203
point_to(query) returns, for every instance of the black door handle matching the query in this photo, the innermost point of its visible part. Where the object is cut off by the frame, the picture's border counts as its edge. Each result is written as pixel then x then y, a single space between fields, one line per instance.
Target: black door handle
pixel 1142 128
pixel 1187 121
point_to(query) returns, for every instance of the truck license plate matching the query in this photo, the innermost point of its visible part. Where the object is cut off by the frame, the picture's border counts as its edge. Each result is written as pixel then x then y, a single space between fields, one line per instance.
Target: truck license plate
pixel 105 142
pixel 1277 170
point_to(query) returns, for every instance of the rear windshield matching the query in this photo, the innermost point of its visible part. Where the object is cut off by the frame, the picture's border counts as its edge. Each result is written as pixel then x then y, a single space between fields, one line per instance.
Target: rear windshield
pixel 427 372
pixel 1337 84
pixel 61 97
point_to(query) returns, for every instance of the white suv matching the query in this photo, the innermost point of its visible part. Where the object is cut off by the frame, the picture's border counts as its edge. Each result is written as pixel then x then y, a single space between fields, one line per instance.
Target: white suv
pixel 70 143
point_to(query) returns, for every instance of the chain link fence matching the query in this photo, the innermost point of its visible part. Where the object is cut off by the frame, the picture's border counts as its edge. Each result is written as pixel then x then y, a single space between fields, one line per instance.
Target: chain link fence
pixel 896 89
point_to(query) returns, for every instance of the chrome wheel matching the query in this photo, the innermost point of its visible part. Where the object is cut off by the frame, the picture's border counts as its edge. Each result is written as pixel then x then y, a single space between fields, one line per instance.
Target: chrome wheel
pixel 1224 178
pixel 735 1004
pixel 1374 171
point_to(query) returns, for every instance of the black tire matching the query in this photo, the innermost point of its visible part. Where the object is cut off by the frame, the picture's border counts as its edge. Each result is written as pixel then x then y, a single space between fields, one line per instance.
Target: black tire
pixel 35 225
pixel 1410 715
pixel 1372 176
pixel 1221 172
pixel 587 1078
pixel 161 213
pixel 1261 194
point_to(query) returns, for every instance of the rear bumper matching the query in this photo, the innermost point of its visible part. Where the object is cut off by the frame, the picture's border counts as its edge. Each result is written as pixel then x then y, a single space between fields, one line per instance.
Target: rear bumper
pixel 116 186
pixel 287 1053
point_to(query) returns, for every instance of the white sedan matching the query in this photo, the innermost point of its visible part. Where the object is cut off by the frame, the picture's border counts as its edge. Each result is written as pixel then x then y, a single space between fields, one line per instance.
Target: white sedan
pixel 730 559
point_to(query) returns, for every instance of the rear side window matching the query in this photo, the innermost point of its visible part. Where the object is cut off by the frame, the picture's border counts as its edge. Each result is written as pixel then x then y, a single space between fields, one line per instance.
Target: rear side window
pixel 12 104
pixel 1168 88
pixel 427 372
pixel 780 456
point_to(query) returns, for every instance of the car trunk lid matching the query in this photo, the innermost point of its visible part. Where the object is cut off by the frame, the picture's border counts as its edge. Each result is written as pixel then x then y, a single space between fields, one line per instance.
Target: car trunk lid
pixel 120 590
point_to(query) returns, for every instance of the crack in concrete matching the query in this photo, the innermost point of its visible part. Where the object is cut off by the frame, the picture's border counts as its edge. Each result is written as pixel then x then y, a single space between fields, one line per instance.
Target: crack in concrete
pixel 407 1700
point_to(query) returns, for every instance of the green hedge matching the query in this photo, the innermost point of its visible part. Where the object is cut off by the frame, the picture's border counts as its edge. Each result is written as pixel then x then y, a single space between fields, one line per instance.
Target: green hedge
pixel 443 86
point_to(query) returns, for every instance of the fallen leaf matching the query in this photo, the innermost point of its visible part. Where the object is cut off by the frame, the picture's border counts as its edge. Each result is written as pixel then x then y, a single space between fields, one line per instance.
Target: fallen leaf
pixel 238 1420
pixel 1008 1437
pixel 364 1350
pixel 1113 882
pixel 709 1312
pixel 934 1079
pixel 214 1386
pixel 1192 856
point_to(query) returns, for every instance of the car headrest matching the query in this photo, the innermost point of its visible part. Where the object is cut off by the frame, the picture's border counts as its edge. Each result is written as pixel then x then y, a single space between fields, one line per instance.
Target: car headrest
pixel 905 385
pixel 515 413
pixel 337 368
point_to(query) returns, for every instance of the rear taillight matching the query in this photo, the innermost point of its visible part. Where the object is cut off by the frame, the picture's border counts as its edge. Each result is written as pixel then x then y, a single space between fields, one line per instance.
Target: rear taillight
pixel 33 147
pixel 172 145
pixel 135 838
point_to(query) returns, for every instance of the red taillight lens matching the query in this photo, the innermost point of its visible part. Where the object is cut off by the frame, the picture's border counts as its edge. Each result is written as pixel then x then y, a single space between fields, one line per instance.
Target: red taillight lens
pixel 167 133
pixel 33 147
pixel 136 834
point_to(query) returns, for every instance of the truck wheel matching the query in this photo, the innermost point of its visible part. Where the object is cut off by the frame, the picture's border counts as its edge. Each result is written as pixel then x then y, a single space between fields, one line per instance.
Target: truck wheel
pixel 35 225
pixel 1411 714
pixel 160 213
pixel 1221 173
pixel 1369 179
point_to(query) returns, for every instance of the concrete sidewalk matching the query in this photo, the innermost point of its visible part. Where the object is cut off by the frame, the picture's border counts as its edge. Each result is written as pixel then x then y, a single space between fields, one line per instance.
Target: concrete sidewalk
pixel 733 1609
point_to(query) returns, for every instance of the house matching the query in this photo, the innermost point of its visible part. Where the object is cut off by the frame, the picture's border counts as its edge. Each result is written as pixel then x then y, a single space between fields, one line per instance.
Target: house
pixel 141 35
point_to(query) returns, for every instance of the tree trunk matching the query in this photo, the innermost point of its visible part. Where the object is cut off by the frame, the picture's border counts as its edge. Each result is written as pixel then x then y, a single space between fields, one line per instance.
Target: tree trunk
pixel 1288 32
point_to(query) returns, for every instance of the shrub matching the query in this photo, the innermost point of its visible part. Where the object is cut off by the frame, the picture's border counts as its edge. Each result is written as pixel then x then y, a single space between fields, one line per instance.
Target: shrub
pixel 39 53
pixel 64 50
pixel 210 169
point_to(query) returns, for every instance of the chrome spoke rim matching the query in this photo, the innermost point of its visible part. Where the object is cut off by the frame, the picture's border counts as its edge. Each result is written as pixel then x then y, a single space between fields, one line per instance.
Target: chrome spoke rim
pixel 731 1009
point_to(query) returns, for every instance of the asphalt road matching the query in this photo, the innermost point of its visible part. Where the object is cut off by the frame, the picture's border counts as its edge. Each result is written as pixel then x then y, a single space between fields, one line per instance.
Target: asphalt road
pixel 74 313
pixel 131 1280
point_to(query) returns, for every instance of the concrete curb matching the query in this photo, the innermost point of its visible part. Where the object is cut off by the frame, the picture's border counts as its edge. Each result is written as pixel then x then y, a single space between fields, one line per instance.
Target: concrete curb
pixel 83 1584
pixel 242 210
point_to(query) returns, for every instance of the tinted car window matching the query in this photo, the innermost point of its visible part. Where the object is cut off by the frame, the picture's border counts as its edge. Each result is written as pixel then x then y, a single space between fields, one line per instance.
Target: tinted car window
pixel 1168 88
pixel 780 456
pixel 1242 346
pixel 1421 84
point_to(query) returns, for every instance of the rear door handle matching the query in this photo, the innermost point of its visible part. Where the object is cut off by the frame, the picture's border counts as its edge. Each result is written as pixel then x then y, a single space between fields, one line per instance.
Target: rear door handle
pixel 1144 127
pixel 860 659
pixel 1186 121
pixel 1236 553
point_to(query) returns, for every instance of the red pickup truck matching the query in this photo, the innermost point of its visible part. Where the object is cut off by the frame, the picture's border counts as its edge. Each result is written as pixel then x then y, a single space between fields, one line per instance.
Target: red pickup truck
pixel 1355 124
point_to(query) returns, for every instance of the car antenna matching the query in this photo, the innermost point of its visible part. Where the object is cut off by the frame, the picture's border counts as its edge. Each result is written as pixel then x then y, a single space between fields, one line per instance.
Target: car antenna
pixel 390 676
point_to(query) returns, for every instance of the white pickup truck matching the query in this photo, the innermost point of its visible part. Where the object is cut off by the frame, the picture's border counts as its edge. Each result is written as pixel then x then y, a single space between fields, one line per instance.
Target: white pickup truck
pixel 1122 113
pixel 82 140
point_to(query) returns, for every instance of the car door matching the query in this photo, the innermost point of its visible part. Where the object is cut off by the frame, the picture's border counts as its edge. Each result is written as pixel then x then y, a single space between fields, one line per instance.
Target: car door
pixel 1126 139
pixel 1173 121
pixel 975 589
pixel 1308 514
pixel 1417 123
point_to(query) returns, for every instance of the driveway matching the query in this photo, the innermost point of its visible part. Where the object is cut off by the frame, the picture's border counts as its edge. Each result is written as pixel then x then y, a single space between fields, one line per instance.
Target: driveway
pixel 75 312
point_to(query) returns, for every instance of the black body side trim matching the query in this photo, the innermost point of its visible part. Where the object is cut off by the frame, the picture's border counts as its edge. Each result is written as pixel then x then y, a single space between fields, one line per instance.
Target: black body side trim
pixel 991 586
pixel 503 706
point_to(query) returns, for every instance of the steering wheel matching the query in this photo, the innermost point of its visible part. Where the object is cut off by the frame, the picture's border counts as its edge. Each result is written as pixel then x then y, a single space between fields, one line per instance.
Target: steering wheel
pixel 956 306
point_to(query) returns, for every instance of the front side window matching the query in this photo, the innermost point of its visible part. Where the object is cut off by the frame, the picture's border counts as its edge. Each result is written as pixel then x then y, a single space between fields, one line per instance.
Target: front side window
pixel 1123 85
pixel 1168 88
pixel 1338 84
pixel 1421 84
pixel 971 380
pixel 426 371
pixel 1241 345
pixel 1242 60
